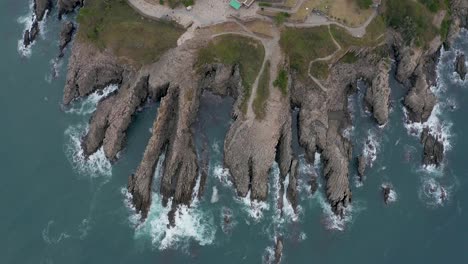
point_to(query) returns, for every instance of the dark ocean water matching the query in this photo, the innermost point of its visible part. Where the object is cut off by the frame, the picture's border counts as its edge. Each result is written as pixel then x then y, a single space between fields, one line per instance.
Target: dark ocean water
pixel 58 208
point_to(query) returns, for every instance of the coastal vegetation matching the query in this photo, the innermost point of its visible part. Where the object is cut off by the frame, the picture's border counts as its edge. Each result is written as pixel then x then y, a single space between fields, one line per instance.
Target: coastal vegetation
pixel 235 50
pixel 282 81
pixel 412 19
pixel 113 25
pixel 263 92
pixel 303 45
pixel 319 70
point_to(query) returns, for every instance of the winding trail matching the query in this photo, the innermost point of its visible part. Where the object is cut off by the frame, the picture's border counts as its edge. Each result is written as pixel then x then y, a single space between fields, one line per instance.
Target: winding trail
pixel 326 58
pixel 199 17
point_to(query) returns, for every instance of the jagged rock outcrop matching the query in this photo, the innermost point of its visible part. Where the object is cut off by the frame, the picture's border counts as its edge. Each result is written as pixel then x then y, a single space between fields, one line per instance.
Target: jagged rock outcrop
pixel 41 7
pixel 31 34
pixel 420 100
pixel 250 148
pixel 172 133
pixel 459 18
pixel 386 191
pixel 67 6
pixel 291 192
pixel 362 164
pixel 89 70
pixel 284 149
pixel 278 250
pixel 408 59
pixel 66 33
pixel 113 116
pixel 433 153
pixel 378 94
pixel 460 66
pixel 323 117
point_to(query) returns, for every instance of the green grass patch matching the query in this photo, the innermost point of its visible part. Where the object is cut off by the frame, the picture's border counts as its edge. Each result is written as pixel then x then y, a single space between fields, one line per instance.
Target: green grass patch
pixel 319 70
pixel 364 4
pixel 265 4
pixel 349 57
pixel 374 33
pixel 235 50
pixel 282 81
pixel 435 5
pixel 263 92
pixel 281 17
pixel 115 26
pixel 412 19
pixel 303 45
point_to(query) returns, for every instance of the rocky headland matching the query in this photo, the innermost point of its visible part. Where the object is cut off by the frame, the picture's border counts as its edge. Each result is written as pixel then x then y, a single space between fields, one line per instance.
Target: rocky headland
pixel 253 143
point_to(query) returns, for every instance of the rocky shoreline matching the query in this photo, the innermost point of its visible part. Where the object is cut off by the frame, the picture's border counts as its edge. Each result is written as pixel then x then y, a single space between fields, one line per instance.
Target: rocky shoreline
pixel 251 145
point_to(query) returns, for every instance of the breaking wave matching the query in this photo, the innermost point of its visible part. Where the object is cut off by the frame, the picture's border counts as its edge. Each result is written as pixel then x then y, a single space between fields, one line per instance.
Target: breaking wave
pixel 190 224
pixel 215 195
pixel 89 104
pixel 370 148
pixel 96 165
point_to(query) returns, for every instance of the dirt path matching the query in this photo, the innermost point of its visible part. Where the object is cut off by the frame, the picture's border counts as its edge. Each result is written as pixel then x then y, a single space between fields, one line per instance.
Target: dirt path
pixel 326 58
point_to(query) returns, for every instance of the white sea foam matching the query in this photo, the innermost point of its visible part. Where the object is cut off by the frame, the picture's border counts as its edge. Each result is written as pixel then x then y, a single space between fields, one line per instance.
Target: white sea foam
pixel 433 193
pixel 190 224
pixel 302 236
pixel 214 195
pixel 51 239
pixel 223 175
pixel 27 21
pixel 269 255
pixel 216 147
pixel 89 104
pixel 288 210
pixel 392 196
pixel 371 147
pixel 96 165
pixel 332 221
pixel 84 228
pixel 253 208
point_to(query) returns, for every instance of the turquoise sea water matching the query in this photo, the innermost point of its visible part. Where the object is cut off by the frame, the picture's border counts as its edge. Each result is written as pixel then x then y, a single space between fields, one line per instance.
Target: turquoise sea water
pixel 58 208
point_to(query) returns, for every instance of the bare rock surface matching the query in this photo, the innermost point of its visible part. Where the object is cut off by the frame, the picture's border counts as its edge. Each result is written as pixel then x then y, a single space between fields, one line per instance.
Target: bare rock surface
pixel 110 122
pixel 41 7
pixel 278 250
pixel 66 33
pixel 89 70
pixel 250 147
pixel 291 192
pixel 460 66
pixel 67 6
pixel 378 94
pixel 433 153
pixel 323 117
pixel 420 100
pixel 362 164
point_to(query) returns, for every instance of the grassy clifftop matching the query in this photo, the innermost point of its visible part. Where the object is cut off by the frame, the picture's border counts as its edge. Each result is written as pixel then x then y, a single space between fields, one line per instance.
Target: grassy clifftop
pixel 114 25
